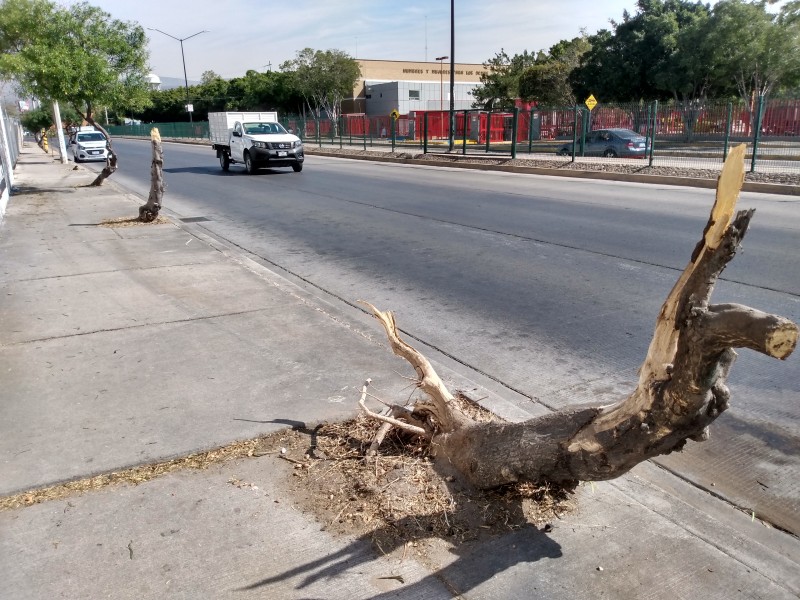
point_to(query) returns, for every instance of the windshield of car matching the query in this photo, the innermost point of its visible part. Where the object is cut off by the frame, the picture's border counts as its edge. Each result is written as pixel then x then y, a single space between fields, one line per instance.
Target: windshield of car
pixel 90 137
pixel 263 128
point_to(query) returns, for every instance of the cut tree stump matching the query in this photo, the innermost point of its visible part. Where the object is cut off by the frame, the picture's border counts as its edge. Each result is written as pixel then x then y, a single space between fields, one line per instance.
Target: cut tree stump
pixel 681 388
pixel 149 212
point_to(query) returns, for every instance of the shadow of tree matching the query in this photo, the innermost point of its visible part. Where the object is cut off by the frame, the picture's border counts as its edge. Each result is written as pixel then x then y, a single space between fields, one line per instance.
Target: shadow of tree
pixel 24 190
pixel 476 562
pixel 487 531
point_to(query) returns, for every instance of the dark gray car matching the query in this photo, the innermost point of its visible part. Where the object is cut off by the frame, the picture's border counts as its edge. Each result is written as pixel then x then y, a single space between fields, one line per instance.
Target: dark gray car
pixel 611 143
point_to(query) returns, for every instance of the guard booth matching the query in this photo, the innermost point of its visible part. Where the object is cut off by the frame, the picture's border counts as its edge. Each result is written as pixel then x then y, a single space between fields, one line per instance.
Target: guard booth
pixel 536 125
pixel 475 127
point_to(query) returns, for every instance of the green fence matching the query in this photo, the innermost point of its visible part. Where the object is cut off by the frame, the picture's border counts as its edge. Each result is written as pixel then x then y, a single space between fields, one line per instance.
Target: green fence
pixel 695 135
pixel 198 130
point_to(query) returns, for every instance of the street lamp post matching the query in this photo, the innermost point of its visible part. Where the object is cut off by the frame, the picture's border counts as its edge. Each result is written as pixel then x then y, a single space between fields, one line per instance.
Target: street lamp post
pixel 183 58
pixel 441 94
pixel 452 127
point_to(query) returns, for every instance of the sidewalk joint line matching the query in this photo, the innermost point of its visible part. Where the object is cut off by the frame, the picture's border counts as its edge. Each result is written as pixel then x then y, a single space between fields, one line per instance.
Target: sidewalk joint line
pixel 139 326
pixel 696 533
pixel 87 273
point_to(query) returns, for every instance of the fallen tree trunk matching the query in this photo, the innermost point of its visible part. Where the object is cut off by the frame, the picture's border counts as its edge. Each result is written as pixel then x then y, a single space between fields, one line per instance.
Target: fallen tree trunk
pixel 681 388
pixel 149 212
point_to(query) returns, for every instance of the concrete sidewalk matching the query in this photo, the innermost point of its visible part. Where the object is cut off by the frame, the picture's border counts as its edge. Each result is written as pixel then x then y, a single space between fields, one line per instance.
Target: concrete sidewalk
pixel 126 346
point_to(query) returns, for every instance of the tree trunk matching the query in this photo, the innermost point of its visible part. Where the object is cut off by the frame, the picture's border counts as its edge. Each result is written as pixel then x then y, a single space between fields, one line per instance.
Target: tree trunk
pixel 111 161
pixel 149 211
pixel 681 387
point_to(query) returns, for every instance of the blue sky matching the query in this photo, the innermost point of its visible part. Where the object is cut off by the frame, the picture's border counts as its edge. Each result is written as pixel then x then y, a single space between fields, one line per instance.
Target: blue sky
pixel 251 34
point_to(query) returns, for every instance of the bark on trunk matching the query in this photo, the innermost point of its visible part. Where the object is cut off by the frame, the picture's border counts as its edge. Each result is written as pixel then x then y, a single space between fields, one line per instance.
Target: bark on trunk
pixel 681 388
pixel 149 211
pixel 111 160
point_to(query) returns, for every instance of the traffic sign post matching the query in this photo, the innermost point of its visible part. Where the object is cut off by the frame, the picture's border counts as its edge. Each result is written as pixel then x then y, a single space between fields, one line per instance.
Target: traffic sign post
pixel 590 102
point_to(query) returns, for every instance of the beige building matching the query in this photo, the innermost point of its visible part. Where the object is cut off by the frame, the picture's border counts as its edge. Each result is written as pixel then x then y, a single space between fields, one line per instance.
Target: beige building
pixel 406 86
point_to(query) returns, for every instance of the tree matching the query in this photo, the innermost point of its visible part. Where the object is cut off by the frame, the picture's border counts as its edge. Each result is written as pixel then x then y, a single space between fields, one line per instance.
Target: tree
pixel 500 82
pixel 638 58
pixel 77 55
pixel 681 389
pixel 755 50
pixel 790 12
pixel 323 79
pixel 547 81
pixel 166 106
pixel 211 95
pixel 266 91
pixel 36 120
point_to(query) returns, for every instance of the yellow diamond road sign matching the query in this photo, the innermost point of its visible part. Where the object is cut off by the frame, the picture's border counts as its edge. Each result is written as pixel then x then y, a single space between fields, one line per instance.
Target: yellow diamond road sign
pixel 591 102
pixel 394 114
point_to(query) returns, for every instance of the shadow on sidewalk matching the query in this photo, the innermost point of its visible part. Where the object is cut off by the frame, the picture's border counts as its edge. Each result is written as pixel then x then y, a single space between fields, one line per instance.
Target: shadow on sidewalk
pixel 477 562
pixel 26 190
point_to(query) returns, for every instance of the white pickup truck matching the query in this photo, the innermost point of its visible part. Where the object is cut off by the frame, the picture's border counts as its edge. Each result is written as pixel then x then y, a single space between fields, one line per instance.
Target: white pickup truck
pixel 254 139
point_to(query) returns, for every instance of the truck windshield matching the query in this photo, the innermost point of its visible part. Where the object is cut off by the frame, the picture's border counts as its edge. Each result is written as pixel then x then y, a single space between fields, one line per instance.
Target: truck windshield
pixel 263 128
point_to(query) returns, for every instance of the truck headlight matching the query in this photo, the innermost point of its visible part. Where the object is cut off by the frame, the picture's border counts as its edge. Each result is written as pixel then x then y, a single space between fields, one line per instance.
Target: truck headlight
pixel 260 145
pixel 297 144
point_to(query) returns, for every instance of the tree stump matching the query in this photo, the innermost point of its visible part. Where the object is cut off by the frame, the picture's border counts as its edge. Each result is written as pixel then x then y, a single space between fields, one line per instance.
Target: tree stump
pixel 149 211
pixel 681 388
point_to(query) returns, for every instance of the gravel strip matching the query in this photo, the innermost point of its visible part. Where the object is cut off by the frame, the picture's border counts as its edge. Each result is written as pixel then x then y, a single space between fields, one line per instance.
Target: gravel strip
pixel 778 178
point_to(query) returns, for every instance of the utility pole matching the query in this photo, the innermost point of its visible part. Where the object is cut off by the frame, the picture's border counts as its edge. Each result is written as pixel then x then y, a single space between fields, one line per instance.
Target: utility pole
pixel 62 147
pixel 452 74
pixel 441 95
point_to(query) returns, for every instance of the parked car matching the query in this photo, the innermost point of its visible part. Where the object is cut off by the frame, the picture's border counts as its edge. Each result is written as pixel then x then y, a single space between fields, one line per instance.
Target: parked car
pixel 89 145
pixel 611 143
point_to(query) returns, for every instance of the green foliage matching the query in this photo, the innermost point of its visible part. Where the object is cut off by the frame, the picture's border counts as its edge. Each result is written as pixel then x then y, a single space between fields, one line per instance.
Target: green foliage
pixel 641 57
pixel 77 55
pixel 165 106
pixel 255 91
pixel 790 13
pixel 265 91
pixel 36 120
pixel 547 81
pixel 757 51
pixel 500 84
pixel 323 78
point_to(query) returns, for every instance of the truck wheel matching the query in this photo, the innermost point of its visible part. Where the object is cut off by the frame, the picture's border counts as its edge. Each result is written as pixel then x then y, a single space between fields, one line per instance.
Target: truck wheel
pixel 224 161
pixel 297 167
pixel 248 164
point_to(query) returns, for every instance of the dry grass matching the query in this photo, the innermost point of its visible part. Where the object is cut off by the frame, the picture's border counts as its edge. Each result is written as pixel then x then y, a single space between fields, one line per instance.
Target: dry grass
pixel 401 496
pixel 136 475
pixel 396 498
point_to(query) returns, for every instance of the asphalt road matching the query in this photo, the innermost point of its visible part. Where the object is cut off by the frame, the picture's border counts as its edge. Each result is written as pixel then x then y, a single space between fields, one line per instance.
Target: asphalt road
pixel 548 287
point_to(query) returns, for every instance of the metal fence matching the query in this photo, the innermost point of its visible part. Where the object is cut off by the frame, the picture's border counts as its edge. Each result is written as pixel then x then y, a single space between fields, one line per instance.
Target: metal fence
pixel 197 130
pixel 13 131
pixel 697 135
pixel 10 148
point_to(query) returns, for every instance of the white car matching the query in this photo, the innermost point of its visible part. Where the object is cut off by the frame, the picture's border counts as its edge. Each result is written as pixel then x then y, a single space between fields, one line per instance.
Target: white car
pixel 89 145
